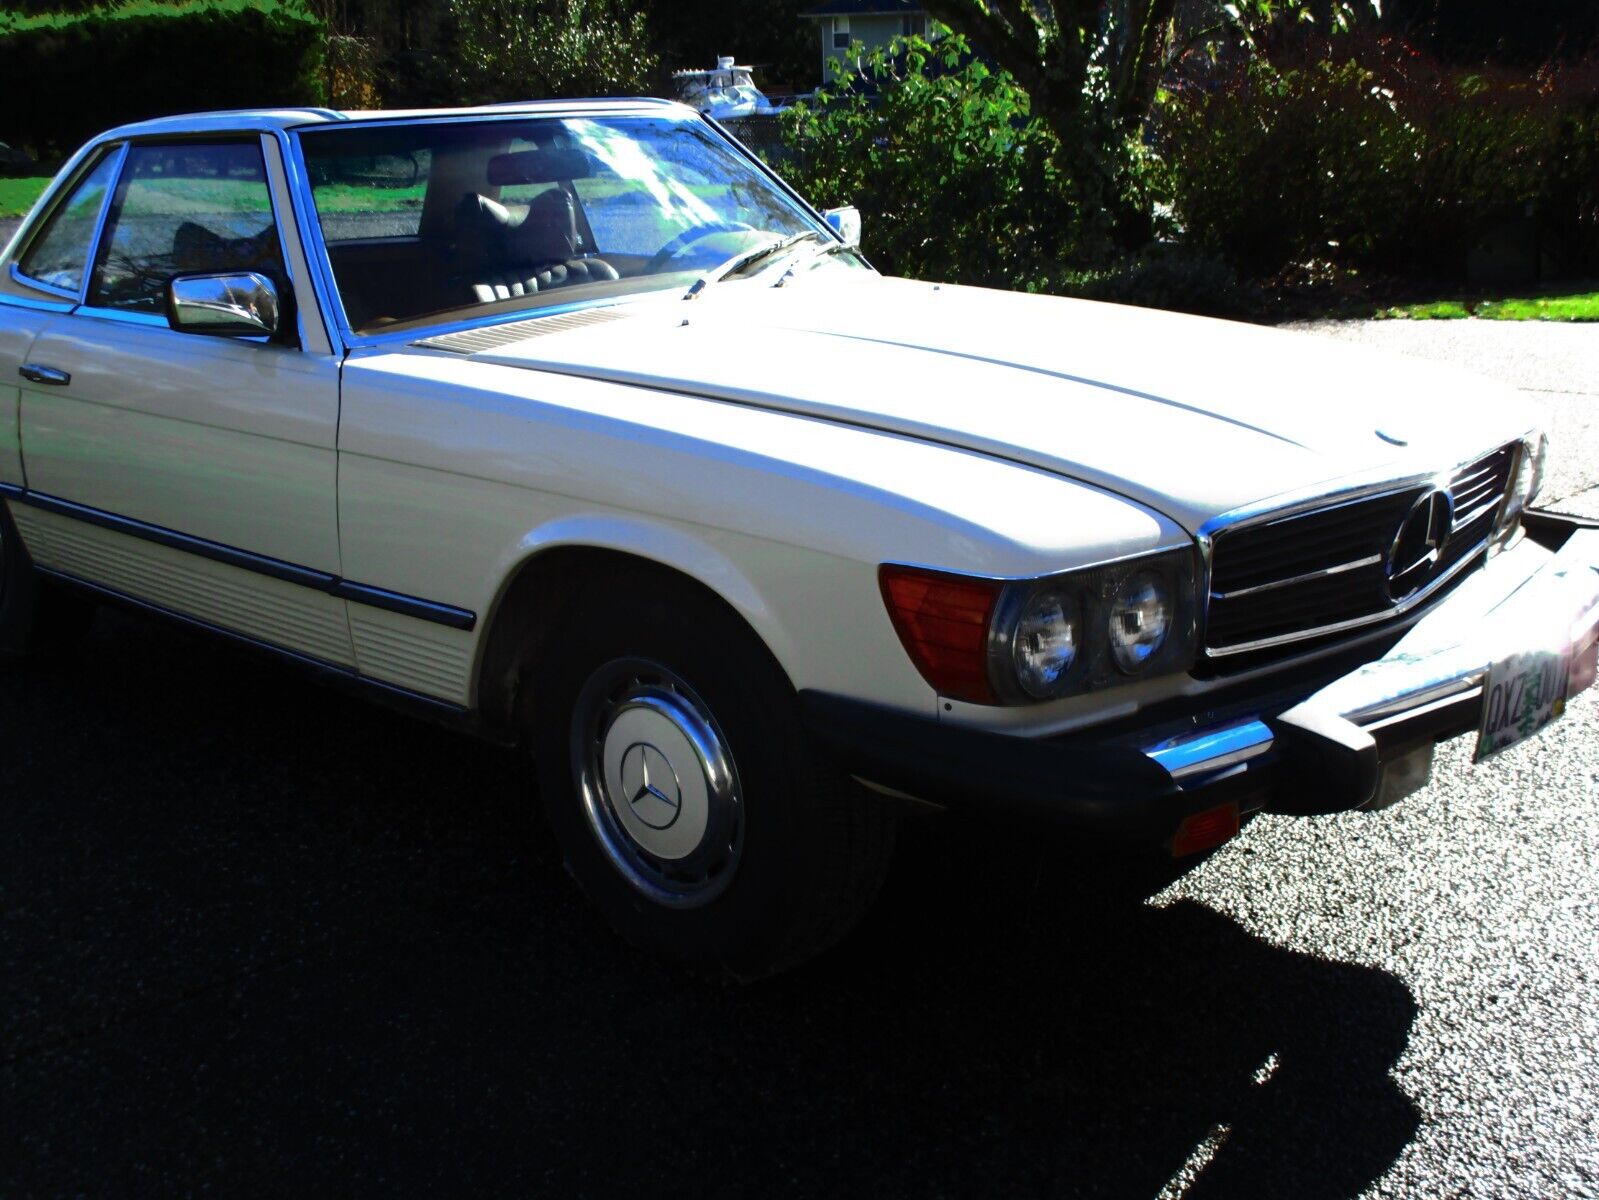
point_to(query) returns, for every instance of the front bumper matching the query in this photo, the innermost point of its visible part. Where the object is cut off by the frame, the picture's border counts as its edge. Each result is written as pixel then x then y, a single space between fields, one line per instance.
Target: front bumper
pixel 1361 740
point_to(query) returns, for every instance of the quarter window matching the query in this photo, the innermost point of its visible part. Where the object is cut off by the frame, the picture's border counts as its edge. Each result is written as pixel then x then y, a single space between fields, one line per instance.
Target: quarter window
pixel 185 209
pixel 60 254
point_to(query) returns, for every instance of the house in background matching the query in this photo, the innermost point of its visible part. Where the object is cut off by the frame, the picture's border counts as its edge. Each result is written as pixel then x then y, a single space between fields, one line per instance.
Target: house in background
pixel 842 23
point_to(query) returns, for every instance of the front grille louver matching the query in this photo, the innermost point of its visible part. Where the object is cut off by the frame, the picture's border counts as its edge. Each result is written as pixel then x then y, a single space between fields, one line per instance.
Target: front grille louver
pixel 1277 583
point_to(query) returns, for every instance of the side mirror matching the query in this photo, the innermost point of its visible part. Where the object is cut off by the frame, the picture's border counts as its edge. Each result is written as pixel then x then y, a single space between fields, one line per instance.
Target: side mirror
pixel 846 222
pixel 242 305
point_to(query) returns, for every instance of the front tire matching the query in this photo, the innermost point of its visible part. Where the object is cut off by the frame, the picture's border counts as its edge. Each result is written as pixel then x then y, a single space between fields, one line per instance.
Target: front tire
pixel 687 800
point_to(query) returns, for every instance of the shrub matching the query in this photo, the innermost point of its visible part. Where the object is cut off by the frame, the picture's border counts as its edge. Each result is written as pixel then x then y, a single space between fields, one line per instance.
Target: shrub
pixel 1283 166
pixel 520 50
pixel 65 76
pixel 1167 276
pixel 953 176
pixel 1374 156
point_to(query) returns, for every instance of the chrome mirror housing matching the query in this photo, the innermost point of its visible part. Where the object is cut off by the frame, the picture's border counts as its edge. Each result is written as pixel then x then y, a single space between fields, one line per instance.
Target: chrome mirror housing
pixel 241 305
pixel 846 222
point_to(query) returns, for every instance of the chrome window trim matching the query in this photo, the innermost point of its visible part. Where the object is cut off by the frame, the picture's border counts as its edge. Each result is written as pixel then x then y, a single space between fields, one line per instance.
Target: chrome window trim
pixel 298 184
pixel 34 302
pixel 322 263
pixel 90 160
pixel 39 285
pixel 126 316
pixel 100 223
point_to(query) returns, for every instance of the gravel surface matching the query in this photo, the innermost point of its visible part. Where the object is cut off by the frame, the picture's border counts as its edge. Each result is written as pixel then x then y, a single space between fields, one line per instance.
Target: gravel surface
pixel 260 939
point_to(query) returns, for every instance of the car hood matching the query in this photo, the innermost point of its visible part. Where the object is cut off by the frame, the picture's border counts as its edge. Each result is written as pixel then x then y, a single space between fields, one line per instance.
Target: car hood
pixel 1189 416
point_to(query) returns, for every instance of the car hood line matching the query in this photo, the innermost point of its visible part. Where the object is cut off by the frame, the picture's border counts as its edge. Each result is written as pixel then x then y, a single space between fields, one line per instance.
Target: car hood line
pixel 1069 378
pixel 1019 379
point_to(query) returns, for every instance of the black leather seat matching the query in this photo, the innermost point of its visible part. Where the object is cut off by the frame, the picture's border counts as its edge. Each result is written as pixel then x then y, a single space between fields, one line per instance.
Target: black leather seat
pixel 504 257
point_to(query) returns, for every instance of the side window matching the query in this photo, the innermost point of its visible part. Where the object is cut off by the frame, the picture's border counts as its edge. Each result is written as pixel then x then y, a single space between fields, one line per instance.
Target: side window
pixel 185 209
pixel 59 256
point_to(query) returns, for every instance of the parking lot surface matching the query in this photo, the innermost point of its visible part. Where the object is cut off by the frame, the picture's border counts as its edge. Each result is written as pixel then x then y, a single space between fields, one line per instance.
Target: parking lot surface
pixel 257 938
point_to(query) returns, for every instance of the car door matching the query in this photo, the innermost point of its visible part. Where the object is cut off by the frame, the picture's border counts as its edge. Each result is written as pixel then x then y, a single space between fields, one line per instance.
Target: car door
pixel 195 473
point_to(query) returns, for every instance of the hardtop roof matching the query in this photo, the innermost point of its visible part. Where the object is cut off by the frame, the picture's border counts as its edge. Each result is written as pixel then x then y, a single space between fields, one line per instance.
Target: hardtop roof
pixel 269 120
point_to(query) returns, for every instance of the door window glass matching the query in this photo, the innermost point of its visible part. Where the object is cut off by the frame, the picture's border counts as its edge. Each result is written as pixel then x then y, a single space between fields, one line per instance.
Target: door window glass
pixel 186 209
pixel 60 254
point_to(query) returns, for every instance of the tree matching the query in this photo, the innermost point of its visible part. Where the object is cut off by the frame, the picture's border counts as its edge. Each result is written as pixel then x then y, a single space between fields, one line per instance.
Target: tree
pixel 530 49
pixel 1093 69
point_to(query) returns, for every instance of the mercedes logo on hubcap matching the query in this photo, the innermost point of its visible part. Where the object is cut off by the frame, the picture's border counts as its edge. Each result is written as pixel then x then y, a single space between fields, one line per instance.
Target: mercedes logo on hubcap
pixel 650 787
pixel 1418 547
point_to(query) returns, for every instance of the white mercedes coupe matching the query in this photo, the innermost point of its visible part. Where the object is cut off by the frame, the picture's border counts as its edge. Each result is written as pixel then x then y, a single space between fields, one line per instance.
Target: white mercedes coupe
pixel 572 424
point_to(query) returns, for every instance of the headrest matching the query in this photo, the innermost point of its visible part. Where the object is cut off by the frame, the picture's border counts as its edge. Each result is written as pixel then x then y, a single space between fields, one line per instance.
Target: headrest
pixel 549 231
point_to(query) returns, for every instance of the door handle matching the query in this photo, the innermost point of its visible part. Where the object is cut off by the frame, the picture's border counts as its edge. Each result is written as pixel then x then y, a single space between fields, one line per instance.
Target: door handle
pixel 34 373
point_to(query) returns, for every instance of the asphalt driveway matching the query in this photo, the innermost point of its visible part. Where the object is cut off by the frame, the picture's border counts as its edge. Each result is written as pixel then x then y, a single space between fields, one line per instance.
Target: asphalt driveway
pixel 259 939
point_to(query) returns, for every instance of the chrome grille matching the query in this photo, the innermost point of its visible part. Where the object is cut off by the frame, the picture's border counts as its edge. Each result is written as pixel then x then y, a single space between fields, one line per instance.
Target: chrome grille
pixel 1278 582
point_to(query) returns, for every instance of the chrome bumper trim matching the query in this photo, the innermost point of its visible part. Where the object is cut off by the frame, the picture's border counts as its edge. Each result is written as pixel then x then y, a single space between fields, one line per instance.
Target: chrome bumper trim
pixel 1211 750
pixel 1524 598
pixel 1446 657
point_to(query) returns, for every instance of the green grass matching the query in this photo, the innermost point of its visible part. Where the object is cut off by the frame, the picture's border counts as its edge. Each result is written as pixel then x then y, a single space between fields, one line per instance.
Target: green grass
pixel 1581 307
pixel 17 195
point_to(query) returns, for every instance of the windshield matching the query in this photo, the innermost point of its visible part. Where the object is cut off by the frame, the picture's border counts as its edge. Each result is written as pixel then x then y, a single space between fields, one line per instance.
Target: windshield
pixel 449 217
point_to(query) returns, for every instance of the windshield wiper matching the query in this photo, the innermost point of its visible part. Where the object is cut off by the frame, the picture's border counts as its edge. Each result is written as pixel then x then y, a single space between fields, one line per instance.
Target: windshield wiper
pixel 825 250
pixel 746 258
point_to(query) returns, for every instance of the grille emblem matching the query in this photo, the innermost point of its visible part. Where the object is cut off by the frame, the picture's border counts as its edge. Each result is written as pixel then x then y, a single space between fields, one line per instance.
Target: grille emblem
pixel 1418 547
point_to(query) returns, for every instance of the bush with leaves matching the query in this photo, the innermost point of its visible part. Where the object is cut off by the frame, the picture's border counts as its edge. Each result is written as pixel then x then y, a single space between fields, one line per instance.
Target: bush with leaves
pixel 953 175
pixel 65 76
pixel 1366 153
pixel 1288 166
pixel 532 49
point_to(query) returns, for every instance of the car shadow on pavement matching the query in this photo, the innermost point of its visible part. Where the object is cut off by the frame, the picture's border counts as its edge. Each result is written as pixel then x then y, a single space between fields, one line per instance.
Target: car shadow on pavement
pixel 258 938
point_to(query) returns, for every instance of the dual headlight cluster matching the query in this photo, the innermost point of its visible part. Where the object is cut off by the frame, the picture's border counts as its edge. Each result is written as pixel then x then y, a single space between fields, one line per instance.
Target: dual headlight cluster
pixel 1021 642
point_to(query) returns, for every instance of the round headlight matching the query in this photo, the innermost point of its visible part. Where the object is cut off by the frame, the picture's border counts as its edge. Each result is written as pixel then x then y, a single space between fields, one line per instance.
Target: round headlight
pixel 1140 618
pixel 1044 645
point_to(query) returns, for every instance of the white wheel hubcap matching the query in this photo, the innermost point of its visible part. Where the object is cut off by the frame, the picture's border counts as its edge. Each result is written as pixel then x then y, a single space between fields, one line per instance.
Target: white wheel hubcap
pixel 657 783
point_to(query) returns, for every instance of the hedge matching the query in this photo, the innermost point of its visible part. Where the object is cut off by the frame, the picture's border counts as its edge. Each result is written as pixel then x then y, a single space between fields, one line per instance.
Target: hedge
pixel 65 76
pixel 1378 157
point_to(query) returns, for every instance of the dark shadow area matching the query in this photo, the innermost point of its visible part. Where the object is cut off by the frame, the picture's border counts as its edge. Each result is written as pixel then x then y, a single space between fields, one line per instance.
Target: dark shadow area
pixel 257 938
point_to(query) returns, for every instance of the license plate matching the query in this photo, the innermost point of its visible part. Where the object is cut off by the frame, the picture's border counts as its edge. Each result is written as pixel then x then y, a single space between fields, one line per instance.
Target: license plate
pixel 1524 692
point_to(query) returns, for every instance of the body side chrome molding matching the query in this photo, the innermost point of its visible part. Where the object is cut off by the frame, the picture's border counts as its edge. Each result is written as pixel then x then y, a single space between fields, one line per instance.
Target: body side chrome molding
pixel 309 577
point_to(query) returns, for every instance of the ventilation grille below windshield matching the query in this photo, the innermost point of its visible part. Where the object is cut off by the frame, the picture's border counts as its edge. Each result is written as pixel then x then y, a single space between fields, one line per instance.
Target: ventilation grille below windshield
pixel 493 337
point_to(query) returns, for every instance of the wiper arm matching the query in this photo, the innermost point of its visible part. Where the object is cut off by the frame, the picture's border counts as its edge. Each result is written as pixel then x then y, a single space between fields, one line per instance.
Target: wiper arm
pixel 746 258
pixel 825 250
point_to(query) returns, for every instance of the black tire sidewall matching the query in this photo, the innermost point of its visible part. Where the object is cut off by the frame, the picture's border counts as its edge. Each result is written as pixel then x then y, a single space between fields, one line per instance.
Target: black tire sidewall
pixel 753 706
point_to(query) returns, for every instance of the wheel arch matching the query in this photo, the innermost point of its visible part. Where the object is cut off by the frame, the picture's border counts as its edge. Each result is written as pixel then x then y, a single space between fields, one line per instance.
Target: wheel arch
pixel 556 562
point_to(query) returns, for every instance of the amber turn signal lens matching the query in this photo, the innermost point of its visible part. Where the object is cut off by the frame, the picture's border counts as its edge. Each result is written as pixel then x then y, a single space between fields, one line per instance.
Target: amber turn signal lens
pixel 1203 830
pixel 943 621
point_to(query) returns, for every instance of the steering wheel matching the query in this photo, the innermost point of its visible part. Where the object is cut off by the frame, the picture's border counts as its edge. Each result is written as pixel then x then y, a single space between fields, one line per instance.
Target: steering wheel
pixel 687 238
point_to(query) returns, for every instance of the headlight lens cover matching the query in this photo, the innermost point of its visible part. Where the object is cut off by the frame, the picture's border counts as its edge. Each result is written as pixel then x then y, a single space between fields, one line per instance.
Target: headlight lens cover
pixel 1140 618
pixel 1023 641
pixel 1044 642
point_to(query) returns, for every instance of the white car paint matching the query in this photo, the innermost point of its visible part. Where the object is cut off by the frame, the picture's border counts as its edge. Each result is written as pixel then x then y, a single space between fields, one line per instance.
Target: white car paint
pixel 777 444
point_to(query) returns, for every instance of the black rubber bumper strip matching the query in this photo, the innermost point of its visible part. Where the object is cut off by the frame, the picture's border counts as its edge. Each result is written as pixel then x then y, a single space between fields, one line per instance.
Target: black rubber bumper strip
pixel 1077 784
